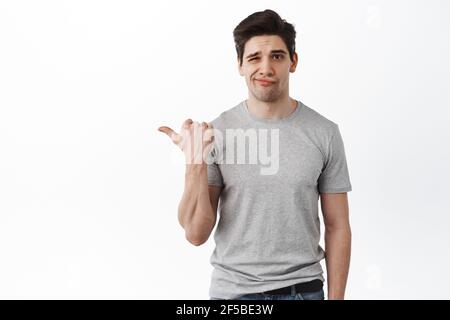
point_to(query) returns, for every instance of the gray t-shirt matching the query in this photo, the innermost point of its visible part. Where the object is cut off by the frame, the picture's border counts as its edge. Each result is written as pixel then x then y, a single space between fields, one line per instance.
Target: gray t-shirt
pixel 268 232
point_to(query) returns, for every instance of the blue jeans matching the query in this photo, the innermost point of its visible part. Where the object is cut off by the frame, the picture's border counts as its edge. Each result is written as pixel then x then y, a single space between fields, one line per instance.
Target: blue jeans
pixel 318 295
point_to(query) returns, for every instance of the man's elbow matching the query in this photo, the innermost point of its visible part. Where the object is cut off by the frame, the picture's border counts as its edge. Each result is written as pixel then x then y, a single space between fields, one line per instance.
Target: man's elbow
pixel 194 239
pixel 198 233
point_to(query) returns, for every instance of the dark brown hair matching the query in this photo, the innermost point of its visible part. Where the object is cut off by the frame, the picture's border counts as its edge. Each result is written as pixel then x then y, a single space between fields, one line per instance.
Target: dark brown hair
pixel 266 22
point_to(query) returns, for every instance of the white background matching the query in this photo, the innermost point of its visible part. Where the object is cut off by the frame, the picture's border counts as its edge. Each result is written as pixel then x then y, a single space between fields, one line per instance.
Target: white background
pixel 89 188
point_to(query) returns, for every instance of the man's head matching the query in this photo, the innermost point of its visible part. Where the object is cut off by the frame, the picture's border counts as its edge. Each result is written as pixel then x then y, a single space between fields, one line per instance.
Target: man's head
pixel 265 46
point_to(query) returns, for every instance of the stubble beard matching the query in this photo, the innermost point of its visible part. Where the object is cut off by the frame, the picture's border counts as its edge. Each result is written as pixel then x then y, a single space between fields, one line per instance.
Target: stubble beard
pixel 267 94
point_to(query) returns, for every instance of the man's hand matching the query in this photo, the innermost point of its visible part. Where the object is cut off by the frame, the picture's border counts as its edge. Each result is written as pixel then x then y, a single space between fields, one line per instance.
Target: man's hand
pixel 195 140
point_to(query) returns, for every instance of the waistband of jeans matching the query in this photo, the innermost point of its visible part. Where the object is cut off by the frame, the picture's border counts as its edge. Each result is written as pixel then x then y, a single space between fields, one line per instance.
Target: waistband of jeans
pixel 304 287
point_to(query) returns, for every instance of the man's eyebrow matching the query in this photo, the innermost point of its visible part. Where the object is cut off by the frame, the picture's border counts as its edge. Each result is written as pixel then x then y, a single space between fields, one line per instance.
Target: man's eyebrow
pixel 272 52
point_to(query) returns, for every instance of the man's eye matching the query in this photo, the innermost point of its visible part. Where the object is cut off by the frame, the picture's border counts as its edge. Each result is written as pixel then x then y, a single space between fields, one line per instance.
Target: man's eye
pixel 275 55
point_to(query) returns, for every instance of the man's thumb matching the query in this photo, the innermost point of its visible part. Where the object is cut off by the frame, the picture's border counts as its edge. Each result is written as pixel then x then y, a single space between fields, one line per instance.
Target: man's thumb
pixel 167 131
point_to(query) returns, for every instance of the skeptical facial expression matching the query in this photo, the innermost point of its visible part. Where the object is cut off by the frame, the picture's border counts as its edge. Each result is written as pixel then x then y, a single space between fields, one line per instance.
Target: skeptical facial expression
pixel 266 66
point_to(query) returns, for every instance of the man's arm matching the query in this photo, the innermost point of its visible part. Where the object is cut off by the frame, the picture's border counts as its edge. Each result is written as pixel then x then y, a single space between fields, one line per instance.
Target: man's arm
pixel 197 210
pixel 337 242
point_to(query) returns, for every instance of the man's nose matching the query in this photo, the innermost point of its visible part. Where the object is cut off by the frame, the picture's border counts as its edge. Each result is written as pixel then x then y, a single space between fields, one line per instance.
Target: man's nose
pixel 266 67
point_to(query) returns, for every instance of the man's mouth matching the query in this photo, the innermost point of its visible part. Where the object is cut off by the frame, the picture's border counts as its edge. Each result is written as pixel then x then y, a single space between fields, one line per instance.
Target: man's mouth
pixel 265 83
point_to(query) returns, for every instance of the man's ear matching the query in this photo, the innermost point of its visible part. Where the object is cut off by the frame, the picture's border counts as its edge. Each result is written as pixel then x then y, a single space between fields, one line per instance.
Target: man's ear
pixel 240 68
pixel 294 63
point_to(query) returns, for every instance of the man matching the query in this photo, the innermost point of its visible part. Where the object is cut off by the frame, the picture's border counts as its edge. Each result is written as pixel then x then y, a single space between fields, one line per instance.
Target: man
pixel 267 238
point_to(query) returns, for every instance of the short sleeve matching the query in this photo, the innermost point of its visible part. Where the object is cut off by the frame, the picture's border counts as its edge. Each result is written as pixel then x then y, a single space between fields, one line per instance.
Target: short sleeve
pixel 213 170
pixel 334 177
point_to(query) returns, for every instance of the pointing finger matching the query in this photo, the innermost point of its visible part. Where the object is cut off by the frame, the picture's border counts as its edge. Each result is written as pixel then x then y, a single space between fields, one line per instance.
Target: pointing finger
pixel 170 133
pixel 175 137
pixel 166 130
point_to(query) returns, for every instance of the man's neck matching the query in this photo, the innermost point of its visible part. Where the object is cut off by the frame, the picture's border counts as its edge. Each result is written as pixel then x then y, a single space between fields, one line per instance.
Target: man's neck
pixel 271 110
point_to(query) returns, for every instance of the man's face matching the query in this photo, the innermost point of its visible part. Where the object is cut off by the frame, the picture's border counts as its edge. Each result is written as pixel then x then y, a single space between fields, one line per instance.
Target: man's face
pixel 267 57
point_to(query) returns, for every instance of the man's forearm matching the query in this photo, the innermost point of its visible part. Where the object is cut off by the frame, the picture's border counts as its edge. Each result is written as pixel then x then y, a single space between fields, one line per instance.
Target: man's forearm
pixel 337 258
pixel 195 212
